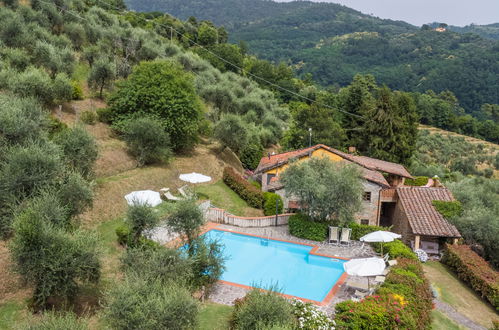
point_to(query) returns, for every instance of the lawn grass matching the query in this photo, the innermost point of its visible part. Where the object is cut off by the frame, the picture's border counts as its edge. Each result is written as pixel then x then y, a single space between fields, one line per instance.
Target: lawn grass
pixel 222 196
pixel 457 294
pixel 214 316
pixel 11 313
pixel 440 321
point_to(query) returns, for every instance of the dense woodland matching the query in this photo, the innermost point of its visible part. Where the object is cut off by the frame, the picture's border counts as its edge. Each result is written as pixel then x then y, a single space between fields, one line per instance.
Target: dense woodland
pixel 334 43
pixel 168 83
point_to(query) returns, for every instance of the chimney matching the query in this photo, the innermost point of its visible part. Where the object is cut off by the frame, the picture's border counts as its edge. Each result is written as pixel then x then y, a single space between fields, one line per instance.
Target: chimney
pixel 352 149
pixel 268 154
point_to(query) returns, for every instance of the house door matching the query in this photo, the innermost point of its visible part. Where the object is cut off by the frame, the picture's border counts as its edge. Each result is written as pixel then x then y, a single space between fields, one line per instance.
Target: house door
pixel 387 213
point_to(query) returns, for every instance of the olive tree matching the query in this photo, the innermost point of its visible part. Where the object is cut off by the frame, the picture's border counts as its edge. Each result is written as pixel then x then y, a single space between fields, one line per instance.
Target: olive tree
pixel 327 191
pixel 52 260
pixel 142 305
pixel 232 132
pixel 139 218
pixel 186 220
pixel 101 75
pixel 79 149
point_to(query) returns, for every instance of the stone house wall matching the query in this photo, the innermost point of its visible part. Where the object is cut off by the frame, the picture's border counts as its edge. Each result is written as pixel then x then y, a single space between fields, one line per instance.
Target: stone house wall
pixel 401 225
pixel 370 209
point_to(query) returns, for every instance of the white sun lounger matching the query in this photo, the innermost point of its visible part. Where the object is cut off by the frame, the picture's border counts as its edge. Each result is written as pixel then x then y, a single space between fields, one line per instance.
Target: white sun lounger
pixel 345 236
pixel 184 192
pixel 170 197
pixel 334 235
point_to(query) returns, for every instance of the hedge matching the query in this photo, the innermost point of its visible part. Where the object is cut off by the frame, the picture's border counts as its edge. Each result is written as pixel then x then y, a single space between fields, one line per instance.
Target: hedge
pixel 404 301
pixel 302 226
pixel 243 188
pixel 417 181
pixel 359 230
pixel 269 203
pixel 396 249
pixel 474 270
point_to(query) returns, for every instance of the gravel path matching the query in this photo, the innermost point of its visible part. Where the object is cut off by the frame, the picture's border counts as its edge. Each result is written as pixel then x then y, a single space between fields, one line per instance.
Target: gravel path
pixel 456 316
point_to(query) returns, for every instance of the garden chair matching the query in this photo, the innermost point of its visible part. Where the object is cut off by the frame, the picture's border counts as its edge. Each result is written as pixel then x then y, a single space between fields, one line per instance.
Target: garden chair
pixel 360 295
pixel 345 236
pixel 392 262
pixel 386 257
pixel 379 279
pixel 168 195
pixel 334 235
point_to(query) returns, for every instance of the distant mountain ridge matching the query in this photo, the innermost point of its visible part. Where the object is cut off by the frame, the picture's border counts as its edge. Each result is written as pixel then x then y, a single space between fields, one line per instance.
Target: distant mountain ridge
pixel 333 43
pixel 490 31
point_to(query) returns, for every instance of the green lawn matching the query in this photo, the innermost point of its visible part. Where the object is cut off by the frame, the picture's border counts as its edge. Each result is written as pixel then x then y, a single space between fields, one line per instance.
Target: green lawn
pixel 223 197
pixel 440 321
pixel 214 317
pixel 457 294
pixel 10 314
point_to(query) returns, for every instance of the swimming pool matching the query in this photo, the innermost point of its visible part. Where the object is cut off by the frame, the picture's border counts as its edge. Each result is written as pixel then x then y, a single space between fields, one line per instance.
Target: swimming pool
pixel 254 261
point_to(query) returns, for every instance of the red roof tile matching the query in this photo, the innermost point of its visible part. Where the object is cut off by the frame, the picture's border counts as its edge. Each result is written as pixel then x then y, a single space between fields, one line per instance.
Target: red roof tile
pixel 423 218
pixel 381 165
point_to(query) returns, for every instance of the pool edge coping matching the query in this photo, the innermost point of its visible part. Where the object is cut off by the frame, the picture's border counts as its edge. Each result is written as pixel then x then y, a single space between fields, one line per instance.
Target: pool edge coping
pixel 324 302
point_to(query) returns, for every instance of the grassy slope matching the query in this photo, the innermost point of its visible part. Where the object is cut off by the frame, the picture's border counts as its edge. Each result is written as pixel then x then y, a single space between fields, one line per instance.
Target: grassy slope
pixel 442 322
pixel 455 293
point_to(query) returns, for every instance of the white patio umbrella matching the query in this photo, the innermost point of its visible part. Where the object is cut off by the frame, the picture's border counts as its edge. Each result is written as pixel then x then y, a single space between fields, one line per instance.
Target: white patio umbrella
pixel 143 197
pixel 380 236
pixel 365 267
pixel 194 177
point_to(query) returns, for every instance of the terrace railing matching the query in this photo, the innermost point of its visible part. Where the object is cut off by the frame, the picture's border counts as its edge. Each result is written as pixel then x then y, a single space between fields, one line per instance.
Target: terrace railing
pixel 219 215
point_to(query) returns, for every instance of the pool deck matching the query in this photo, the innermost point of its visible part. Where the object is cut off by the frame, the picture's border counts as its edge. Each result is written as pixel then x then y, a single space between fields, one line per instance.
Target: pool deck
pixel 226 293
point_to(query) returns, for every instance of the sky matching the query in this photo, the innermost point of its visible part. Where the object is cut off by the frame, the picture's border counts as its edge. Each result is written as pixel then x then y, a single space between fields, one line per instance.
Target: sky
pixel 419 12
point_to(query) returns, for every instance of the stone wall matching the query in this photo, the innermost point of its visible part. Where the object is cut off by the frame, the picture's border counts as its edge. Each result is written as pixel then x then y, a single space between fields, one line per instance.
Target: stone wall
pixel 370 209
pixel 401 225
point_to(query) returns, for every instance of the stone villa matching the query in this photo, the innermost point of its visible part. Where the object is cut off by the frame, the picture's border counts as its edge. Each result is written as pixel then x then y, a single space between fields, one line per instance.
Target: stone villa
pixel 386 200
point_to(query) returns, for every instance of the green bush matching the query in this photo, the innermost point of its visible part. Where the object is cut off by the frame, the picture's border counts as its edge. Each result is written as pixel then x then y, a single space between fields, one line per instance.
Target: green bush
pixel 56 321
pixel 77 91
pixel 396 249
pixel 262 310
pixel 124 234
pixel 303 227
pixel 147 140
pixel 269 205
pixel 359 230
pixel 474 270
pixel 250 155
pixel 105 115
pixel 417 181
pixel 88 117
pixel 404 301
pixel 448 209
pixel 252 195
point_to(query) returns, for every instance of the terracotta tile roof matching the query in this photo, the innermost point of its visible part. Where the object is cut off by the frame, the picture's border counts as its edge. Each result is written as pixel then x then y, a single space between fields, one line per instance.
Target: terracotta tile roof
pixel 423 218
pixel 381 165
pixel 267 163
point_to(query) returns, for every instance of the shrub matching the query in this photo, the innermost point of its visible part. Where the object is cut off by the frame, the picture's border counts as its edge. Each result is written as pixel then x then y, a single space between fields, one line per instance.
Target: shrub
pixel 396 249
pixel 302 226
pixel 359 230
pixel 186 220
pixel 123 233
pixel 448 209
pixel 260 310
pixel 245 190
pixel 62 88
pixel 147 140
pixel 163 90
pixel 310 317
pixel 104 115
pixel 140 218
pixel 474 270
pixel 207 261
pixel 250 155
pixel 88 117
pixel 417 181
pixel 140 304
pixel 75 193
pixel 232 132
pixel 404 301
pixel 77 93
pixel 269 205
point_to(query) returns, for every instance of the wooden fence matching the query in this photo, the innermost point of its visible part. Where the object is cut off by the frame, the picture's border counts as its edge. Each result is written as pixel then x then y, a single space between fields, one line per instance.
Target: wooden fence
pixel 218 215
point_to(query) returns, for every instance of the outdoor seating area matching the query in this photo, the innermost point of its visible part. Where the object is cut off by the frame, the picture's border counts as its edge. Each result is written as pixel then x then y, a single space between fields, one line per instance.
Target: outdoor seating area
pixel 339 236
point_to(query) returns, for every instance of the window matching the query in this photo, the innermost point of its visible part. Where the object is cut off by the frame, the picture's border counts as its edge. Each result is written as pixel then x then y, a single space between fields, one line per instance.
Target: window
pixel 364 221
pixel 366 196
pixel 269 177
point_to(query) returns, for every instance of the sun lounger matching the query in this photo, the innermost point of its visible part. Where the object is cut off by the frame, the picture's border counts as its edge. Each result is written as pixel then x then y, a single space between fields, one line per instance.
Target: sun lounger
pixel 334 235
pixel 386 271
pixel 392 262
pixel 358 285
pixel 379 279
pixel 170 197
pixel 345 236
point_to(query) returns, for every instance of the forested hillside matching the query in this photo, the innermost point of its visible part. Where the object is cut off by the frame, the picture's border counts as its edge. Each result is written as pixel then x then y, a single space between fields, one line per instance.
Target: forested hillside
pixel 490 31
pixel 333 43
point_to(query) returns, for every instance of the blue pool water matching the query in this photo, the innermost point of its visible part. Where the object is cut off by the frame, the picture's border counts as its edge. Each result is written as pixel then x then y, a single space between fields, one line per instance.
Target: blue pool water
pixel 254 261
